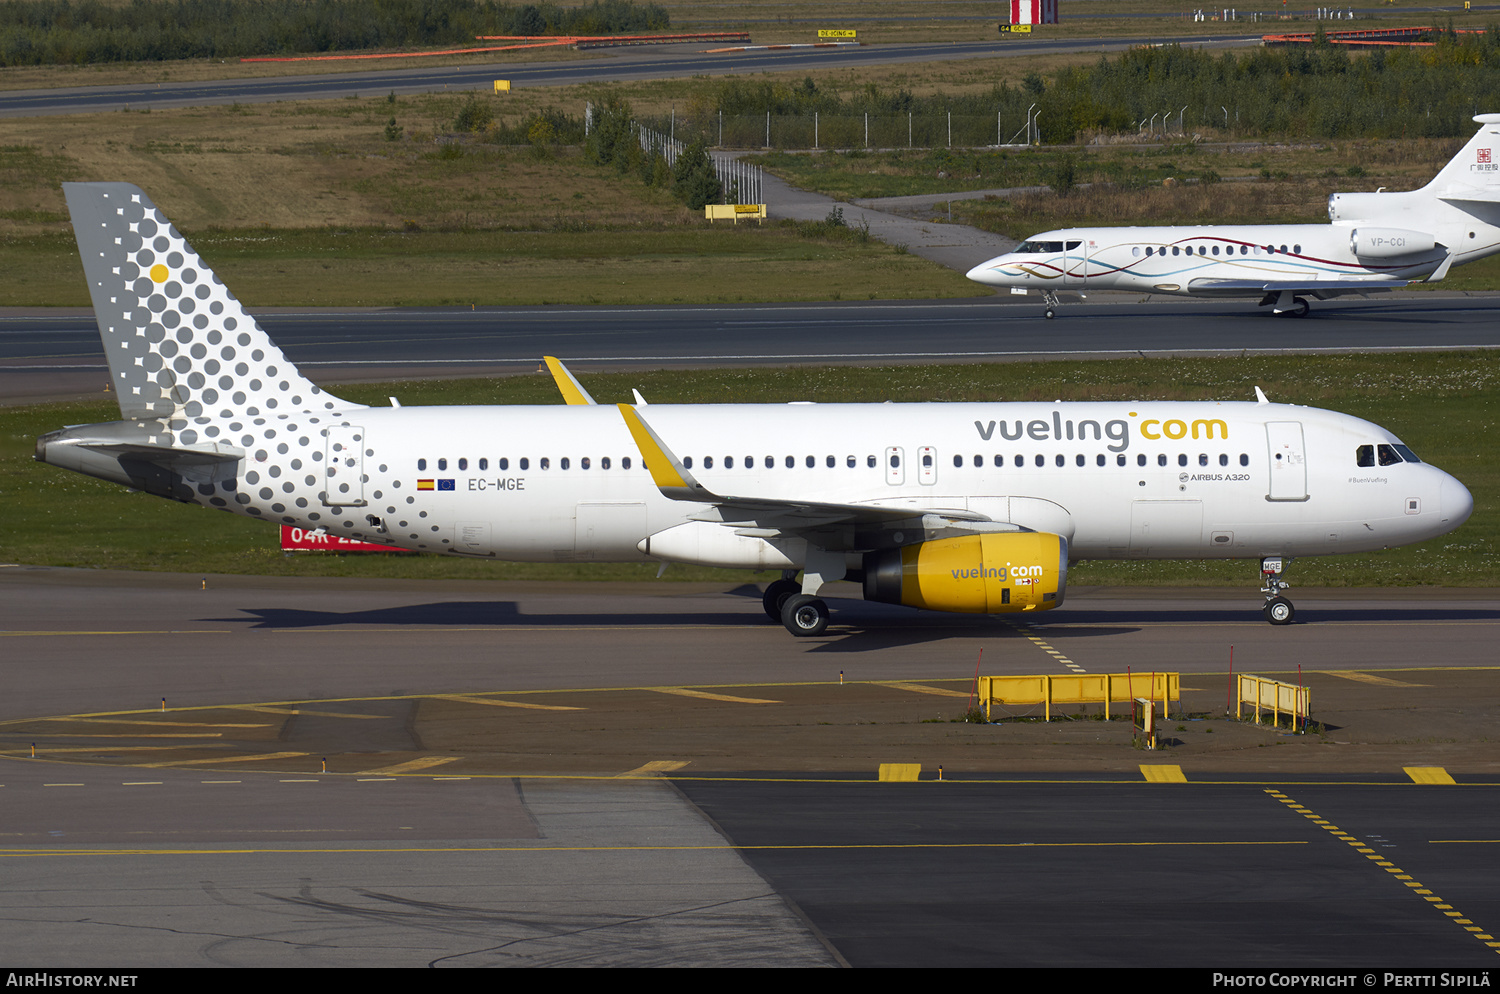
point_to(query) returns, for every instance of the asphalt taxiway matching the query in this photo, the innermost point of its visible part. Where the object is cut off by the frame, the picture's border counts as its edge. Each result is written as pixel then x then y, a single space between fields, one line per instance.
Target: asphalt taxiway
pixel 345 772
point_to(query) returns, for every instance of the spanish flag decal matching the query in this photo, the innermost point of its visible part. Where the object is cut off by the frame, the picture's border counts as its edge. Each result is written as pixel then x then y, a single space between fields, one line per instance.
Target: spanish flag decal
pixel 426 484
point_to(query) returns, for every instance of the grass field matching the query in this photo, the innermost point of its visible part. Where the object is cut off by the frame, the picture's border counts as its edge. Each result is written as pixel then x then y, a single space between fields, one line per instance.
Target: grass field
pixel 1446 406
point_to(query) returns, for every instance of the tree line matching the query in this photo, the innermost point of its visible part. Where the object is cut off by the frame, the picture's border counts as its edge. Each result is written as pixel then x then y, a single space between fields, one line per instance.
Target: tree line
pixel 78 32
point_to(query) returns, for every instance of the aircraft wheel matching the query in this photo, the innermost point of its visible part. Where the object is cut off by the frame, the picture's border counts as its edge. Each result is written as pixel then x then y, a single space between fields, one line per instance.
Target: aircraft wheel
pixel 1302 309
pixel 804 615
pixel 1050 314
pixel 776 594
pixel 1279 611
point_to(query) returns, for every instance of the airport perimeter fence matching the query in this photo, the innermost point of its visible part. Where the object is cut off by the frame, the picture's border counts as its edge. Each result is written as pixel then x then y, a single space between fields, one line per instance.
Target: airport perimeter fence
pixel 741 181
pixel 845 131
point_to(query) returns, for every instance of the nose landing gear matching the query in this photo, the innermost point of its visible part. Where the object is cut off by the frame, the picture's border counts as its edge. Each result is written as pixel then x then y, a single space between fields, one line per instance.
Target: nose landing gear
pixel 1050 299
pixel 1278 610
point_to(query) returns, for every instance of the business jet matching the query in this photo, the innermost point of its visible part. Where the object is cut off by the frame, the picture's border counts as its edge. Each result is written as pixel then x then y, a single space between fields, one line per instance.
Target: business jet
pixel 1376 242
pixel 975 507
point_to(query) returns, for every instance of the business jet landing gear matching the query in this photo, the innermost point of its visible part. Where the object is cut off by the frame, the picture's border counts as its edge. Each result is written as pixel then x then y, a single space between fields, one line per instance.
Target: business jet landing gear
pixel 1050 299
pixel 1284 303
pixel 777 593
pixel 1278 609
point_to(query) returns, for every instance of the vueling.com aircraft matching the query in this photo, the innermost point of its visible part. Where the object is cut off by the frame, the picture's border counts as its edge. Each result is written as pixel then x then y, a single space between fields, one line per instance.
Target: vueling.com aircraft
pixel 1377 242
pixel 949 507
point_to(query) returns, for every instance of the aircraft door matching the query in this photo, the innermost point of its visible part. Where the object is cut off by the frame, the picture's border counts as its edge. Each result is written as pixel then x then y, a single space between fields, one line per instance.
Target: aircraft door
pixel 926 465
pixel 895 466
pixel 1075 262
pixel 1288 461
pixel 345 461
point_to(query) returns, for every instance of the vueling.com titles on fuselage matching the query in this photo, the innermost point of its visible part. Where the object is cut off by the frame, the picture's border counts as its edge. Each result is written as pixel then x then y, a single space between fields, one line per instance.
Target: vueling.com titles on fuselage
pixel 1116 429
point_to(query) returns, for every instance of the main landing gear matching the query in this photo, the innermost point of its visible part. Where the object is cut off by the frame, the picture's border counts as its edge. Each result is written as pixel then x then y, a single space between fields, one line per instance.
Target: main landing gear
pixel 1284 303
pixel 803 614
pixel 1278 610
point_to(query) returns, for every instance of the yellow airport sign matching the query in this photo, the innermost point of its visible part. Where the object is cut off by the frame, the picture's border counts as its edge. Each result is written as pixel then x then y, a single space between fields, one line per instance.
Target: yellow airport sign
pixel 836 33
pixel 502 86
pixel 1015 29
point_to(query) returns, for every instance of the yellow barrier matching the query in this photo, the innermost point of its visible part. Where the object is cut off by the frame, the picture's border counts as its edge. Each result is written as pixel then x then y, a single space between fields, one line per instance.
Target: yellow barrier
pixel 502 86
pixel 1275 696
pixel 734 212
pixel 1079 688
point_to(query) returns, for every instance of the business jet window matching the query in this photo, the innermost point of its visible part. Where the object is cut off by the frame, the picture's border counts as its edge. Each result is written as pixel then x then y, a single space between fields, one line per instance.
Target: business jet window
pixel 1202 249
pixel 1074 244
pixel 1039 247
pixel 1297 249
pixel 1283 250
pixel 1176 250
pixel 1216 250
pixel 1137 251
pixel 1244 250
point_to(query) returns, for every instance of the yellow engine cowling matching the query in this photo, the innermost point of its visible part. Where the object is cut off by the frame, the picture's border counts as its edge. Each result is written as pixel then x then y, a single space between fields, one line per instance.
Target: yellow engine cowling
pixel 980 574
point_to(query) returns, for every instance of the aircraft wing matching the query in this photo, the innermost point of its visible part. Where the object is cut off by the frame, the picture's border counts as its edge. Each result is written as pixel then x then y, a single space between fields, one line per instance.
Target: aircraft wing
pixel 677 482
pixel 1243 288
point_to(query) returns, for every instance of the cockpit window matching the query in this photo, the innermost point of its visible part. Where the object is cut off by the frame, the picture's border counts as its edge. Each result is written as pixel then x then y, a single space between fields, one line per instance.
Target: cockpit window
pixel 1383 454
pixel 1037 248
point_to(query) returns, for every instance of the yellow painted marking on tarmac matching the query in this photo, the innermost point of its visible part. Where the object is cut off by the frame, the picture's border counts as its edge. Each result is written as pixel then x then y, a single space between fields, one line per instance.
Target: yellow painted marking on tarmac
pixel 134 735
pixel 23 853
pixel 1041 644
pixel 492 702
pixel 1163 774
pixel 179 631
pixel 1482 842
pixel 705 695
pixel 259 757
pixel 1427 774
pixel 921 688
pixel 411 766
pixel 158 724
pixel 899 772
pixel 56 751
pixel 1406 879
pixel 266 709
pixel 653 768
pixel 1379 681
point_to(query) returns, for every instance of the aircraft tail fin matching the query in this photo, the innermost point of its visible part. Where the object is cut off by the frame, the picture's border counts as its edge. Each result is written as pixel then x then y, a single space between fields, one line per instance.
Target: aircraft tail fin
pixel 1474 169
pixel 177 342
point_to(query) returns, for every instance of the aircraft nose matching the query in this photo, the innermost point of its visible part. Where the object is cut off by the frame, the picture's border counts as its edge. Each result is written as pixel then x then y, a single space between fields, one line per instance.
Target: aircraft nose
pixel 1455 502
pixel 984 272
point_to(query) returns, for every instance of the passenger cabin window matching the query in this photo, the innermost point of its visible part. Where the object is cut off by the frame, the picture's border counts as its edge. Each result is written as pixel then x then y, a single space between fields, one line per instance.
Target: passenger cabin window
pixel 422 464
pixel 442 464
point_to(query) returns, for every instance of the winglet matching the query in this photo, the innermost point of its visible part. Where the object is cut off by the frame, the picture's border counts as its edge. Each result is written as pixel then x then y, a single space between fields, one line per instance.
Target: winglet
pixel 568 385
pixel 667 471
pixel 1260 396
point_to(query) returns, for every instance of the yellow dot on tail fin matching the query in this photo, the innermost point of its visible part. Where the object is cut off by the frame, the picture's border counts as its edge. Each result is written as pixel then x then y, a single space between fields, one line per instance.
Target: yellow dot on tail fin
pixel 159 273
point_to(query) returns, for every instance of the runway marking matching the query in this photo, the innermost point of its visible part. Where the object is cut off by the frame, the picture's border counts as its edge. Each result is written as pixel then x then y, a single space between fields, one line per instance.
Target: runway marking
pixel 411 766
pixel 467 699
pixel 704 695
pixel 162 724
pixel 652 768
pixel 852 846
pixel 1428 774
pixel 183 631
pixel 920 688
pixel 267 709
pixel 1395 871
pixel 1163 774
pixel 55 751
pixel 134 735
pixel 1024 629
pixel 227 759
pixel 1379 681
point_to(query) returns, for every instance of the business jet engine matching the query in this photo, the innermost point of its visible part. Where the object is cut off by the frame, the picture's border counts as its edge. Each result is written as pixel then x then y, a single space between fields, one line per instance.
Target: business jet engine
pixel 993 573
pixel 1388 243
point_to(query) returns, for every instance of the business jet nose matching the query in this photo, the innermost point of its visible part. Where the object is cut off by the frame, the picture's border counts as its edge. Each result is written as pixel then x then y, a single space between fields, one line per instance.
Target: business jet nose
pixel 985 273
pixel 1455 502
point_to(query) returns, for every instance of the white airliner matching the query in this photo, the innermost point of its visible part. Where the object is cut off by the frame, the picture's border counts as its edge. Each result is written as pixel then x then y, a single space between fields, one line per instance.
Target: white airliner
pixel 974 507
pixel 1377 242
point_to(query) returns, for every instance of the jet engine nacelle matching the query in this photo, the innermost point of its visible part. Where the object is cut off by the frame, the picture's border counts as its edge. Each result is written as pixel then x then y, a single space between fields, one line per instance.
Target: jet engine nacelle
pixel 1389 243
pixel 979 574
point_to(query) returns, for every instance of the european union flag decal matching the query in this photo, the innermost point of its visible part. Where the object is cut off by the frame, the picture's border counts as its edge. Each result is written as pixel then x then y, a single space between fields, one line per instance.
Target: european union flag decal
pixel 446 485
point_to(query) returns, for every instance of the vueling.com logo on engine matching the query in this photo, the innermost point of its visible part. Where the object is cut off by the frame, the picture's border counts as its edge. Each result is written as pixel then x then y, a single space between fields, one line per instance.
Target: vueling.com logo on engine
pixel 1020 574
